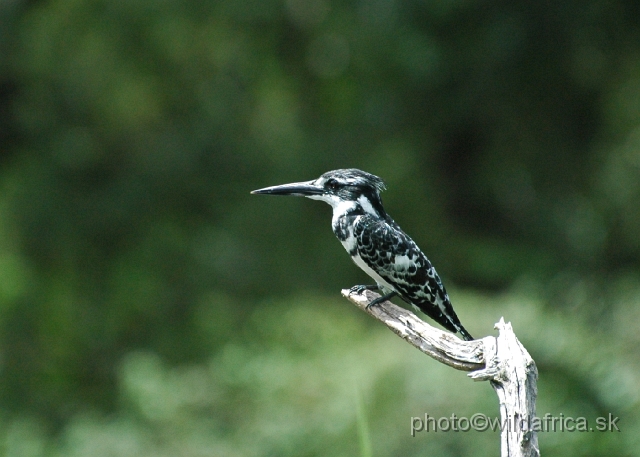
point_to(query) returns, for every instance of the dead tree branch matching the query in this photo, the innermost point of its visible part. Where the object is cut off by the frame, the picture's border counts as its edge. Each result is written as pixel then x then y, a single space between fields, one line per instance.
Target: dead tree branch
pixel 502 360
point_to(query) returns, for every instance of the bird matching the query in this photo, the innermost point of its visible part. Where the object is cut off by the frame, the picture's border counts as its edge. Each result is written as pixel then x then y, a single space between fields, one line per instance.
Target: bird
pixel 376 243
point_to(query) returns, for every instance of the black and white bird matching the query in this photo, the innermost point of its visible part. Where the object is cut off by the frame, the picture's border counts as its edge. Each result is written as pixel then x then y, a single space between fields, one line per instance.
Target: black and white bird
pixel 376 243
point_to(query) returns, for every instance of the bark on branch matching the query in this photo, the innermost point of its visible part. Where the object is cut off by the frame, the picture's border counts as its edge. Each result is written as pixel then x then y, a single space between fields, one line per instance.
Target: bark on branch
pixel 502 360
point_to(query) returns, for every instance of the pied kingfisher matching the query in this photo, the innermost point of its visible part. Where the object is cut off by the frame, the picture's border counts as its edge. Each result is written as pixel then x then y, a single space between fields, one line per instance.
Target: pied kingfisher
pixel 376 243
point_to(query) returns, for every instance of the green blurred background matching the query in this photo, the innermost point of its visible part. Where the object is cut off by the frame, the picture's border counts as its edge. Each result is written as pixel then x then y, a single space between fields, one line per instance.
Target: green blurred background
pixel 149 306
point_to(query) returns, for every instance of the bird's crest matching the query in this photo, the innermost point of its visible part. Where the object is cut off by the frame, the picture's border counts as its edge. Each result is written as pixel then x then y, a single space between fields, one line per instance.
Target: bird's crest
pixel 355 177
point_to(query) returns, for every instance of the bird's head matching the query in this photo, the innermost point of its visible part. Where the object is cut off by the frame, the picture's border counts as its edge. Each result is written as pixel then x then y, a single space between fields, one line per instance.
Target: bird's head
pixel 339 188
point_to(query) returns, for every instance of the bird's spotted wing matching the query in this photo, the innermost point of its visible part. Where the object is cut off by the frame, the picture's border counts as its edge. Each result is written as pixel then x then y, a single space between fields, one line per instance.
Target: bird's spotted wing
pixel 393 255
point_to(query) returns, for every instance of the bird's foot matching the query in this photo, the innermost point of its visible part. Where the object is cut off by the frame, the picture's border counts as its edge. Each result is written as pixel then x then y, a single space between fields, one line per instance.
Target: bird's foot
pixel 381 299
pixel 359 289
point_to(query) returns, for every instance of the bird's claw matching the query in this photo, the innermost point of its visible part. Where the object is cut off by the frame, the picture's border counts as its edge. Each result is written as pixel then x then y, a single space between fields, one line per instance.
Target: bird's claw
pixel 360 288
pixel 379 300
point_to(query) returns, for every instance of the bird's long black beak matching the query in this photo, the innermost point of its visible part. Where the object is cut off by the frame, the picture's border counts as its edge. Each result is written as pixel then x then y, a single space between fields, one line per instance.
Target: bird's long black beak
pixel 300 189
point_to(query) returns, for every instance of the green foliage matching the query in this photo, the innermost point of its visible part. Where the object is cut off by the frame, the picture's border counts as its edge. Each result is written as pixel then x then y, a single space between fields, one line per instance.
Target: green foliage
pixel 141 286
pixel 295 395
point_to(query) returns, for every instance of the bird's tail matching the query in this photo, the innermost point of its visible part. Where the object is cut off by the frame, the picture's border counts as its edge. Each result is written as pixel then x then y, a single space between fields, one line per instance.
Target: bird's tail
pixel 451 322
pixel 465 335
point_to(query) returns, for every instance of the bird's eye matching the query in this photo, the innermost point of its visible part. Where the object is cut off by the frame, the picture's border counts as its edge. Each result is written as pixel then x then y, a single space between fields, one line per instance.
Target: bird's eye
pixel 332 184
